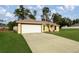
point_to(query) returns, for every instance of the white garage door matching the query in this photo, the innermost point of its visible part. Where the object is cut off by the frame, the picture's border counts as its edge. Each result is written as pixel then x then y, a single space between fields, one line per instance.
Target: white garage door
pixel 31 28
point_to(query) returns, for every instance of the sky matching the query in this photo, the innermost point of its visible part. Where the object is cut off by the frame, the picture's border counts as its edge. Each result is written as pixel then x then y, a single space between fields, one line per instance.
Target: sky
pixel 71 11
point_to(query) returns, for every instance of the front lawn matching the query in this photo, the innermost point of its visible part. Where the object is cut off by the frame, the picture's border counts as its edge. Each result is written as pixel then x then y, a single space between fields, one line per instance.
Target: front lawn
pixel 13 43
pixel 68 33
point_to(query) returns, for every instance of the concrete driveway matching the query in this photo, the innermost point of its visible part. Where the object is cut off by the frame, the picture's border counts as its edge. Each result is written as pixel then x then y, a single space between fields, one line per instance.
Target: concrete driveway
pixel 48 43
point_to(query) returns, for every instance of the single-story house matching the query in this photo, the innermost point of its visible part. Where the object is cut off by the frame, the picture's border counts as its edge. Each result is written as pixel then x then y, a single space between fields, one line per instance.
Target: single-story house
pixel 3 27
pixel 33 26
pixel 74 26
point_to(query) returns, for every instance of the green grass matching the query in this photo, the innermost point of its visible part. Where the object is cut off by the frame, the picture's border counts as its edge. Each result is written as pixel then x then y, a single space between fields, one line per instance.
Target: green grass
pixel 68 33
pixel 11 42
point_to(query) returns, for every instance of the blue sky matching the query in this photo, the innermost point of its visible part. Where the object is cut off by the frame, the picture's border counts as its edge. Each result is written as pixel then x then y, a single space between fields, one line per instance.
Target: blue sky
pixel 71 11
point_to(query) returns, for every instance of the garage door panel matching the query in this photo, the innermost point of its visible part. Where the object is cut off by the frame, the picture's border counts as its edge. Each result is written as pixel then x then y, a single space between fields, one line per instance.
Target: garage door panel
pixel 31 28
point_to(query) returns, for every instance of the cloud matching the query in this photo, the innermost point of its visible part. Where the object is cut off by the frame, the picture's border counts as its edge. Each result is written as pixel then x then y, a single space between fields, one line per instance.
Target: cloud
pixel 53 11
pixel 61 8
pixel 29 7
pixel 40 6
pixel 69 7
pixel 39 13
pixel 17 7
pixel 66 8
pixel 8 14
pixel 2 11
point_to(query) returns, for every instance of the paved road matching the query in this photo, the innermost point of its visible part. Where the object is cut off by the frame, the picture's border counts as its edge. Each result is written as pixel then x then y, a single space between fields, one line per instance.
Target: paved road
pixel 48 43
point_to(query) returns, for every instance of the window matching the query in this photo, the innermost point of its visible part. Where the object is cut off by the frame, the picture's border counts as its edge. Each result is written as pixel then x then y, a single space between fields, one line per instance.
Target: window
pixel 51 25
pixel 55 27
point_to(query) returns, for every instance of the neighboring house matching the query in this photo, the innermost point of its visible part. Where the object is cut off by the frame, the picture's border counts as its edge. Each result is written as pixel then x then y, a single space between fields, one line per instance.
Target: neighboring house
pixel 3 27
pixel 33 26
pixel 75 26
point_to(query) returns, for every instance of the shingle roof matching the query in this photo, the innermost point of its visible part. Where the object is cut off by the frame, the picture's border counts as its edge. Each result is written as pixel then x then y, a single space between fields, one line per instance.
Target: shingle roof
pixel 32 21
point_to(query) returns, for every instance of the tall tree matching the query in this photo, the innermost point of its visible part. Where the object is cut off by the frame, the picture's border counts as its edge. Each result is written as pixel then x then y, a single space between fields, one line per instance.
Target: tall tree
pixel 33 15
pixel 34 12
pixel 68 21
pixel 45 15
pixel 56 17
pixel 23 13
pixel 20 12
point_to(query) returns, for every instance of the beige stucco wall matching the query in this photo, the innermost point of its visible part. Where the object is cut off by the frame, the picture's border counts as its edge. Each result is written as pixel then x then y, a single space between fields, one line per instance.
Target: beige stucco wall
pixel 52 28
pixel 42 28
pixel 19 28
pixel 46 28
pixel 15 28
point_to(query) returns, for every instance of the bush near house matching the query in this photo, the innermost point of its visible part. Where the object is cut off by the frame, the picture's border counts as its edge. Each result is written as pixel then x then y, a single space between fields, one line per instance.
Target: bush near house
pixel 11 25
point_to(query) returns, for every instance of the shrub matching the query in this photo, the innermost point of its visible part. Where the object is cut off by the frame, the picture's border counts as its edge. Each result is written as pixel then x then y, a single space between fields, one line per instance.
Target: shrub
pixel 11 25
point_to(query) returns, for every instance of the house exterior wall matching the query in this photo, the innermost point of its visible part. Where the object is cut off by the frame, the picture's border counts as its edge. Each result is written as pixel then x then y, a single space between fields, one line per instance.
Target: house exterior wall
pixel 46 28
pixel 51 28
pixel 31 28
pixel 15 28
pixel 42 28
pixel 19 28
